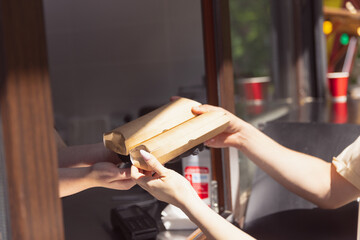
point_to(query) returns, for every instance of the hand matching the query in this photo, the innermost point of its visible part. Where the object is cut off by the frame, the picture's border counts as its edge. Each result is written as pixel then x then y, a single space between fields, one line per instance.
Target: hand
pixel 165 184
pixel 231 136
pixel 108 175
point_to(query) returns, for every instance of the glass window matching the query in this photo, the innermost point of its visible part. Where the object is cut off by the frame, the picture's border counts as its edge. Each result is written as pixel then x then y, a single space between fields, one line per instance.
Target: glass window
pixel 251 44
pixel 251 52
pixel 342 29
pixel 278 61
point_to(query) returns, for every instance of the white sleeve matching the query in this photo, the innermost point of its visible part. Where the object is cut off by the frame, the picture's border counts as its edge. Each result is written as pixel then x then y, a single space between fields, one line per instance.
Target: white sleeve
pixel 347 164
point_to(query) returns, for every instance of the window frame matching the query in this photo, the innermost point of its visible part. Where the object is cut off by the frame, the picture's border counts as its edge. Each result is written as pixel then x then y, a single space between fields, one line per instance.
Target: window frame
pixel 28 150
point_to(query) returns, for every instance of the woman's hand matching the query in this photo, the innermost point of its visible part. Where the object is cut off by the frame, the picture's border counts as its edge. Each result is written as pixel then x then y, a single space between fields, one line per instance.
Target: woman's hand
pixel 163 183
pixel 231 136
pixel 102 174
pixel 108 175
pixel 169 186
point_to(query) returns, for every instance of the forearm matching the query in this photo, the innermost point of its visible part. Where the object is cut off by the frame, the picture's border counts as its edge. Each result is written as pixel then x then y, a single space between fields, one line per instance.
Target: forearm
pixel 305 175
pixel 85 155
pixel 74 180
pixel 169 186
pixel 211 224
pixel 302 174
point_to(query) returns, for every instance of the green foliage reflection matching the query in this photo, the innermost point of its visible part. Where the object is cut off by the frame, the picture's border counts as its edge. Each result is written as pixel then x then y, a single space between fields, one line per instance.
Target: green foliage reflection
pixel 250 37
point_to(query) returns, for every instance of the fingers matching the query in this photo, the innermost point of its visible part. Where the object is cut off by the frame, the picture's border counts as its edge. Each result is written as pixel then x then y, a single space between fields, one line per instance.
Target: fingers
pixel 223 140
pixel 125 173
pixel 204 108
pixel 153 163
pixel 210 142
pixel 135 173
pixel 122 184
pixel 140 178
pixel 217 142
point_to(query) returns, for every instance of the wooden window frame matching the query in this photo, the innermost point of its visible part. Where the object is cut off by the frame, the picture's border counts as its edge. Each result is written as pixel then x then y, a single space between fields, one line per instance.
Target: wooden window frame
pixel 220 85
pixel 32 197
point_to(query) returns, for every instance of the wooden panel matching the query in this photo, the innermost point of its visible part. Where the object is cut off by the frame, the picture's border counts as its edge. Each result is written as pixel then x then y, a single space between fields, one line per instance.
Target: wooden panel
pixel 220 89
pixel 27 122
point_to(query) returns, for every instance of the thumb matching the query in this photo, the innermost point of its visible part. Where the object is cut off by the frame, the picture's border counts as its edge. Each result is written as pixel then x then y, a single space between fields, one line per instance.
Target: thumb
pixel 153 163
pixel 204 108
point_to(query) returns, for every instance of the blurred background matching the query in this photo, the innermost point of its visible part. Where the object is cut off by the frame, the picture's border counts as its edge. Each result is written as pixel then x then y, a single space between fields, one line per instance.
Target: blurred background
pixel 112 61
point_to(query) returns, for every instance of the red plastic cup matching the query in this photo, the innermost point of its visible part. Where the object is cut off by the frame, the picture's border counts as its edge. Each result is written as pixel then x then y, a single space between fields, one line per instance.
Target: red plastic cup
pixel 338 84
pixel 255 89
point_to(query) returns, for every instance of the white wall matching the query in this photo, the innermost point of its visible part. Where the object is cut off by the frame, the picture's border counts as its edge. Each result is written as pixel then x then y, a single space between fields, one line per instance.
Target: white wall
pixel 114 56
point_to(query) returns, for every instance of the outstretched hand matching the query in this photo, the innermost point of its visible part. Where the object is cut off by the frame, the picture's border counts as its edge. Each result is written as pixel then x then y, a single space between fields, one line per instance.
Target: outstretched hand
pixel 163 183
pixel 108 175
pixel 231 136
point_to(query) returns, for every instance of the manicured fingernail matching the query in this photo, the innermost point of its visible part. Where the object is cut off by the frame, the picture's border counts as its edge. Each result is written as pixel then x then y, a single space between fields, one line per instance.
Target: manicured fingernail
pixel 145 155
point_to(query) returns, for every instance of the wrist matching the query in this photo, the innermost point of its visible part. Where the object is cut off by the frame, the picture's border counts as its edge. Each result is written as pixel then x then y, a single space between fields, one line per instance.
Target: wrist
pixel 193 207
pixel 91 177
pixel 189 200
pixel 73 180
pixel 243 136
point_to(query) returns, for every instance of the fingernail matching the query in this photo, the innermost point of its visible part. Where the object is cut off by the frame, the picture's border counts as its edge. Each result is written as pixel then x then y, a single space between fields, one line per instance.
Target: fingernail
pixel 145 155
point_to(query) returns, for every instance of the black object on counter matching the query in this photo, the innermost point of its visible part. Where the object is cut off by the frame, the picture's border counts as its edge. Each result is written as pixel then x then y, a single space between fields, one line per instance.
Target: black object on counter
pixel 133 223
